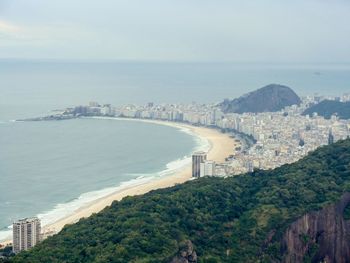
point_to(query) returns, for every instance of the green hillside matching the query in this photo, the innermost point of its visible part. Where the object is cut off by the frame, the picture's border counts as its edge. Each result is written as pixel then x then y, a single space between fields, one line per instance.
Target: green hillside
pixel 273 97
pixel 327 108
pixel 227 220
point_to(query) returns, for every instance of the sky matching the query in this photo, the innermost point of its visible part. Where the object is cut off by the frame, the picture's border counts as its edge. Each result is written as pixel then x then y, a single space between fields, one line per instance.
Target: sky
pixel 298 31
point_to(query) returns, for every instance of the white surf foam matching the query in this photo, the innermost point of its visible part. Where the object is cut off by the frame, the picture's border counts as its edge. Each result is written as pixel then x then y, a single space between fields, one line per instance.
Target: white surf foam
pixel 6 234
pixel 202 143
pixel 63 210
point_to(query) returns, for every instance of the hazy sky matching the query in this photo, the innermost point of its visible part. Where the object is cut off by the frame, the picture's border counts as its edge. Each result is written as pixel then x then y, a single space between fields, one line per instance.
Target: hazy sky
pixel 183 30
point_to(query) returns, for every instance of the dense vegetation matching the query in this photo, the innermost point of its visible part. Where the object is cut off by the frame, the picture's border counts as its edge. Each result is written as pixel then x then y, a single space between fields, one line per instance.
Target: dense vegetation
pixel 327 108
pixel 227 220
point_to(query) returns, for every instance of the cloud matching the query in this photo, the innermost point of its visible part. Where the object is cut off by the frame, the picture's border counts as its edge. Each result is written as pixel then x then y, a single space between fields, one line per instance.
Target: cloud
pixel 6 27
pixel 232 30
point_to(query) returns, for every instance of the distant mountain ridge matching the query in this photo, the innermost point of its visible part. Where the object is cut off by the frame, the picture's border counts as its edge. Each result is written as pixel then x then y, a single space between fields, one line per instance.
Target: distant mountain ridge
pixel 327 108
pixel 271 98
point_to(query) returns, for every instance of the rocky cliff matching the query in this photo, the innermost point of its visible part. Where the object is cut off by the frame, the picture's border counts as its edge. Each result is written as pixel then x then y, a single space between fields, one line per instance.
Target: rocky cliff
pixel 186 253
pixel 270 98
pixel 322 236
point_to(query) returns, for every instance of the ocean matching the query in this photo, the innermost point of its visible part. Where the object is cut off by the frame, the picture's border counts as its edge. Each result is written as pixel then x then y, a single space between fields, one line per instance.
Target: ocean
pixel 49 169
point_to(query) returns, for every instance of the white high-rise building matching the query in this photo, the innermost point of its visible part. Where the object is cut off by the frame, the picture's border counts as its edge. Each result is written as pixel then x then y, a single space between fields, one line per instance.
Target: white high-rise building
pixel 207 168
pixel 26 234
pixel 197 159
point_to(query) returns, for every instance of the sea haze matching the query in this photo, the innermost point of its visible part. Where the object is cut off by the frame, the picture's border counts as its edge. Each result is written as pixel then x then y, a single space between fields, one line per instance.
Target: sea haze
pixel 30 88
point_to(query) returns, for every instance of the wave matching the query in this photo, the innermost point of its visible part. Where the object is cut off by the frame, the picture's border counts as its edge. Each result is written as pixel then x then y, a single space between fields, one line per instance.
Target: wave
pixel 6 234
pixel 8 121
pixel 202 143
pixel 63 210
pixel 170 169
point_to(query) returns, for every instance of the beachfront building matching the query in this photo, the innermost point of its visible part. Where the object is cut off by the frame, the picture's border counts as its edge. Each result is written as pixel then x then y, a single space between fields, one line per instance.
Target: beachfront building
pixel 26 234
pixel 207 168
pixel 197 159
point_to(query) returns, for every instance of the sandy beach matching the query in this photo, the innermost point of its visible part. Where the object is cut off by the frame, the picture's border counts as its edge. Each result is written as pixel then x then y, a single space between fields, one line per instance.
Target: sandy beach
pixel 221 146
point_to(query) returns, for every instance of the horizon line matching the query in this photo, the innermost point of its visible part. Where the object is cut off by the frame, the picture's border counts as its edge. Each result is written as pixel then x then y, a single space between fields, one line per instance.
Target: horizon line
pixel 112 60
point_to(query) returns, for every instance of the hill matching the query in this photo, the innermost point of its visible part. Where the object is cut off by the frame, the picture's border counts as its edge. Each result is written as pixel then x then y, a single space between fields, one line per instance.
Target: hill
pixel 270 98
pixel 253 217
pixel 327 108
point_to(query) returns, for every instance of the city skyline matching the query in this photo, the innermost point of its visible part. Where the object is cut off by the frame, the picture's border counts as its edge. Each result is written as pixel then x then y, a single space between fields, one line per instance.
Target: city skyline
pixel 266 140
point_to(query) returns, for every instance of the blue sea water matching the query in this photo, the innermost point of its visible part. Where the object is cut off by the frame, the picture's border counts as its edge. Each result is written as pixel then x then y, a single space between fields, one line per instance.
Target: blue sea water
pixel 52 168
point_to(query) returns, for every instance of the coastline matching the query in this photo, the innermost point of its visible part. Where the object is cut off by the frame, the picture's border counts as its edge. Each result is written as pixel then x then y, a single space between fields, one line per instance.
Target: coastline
pixel 221 146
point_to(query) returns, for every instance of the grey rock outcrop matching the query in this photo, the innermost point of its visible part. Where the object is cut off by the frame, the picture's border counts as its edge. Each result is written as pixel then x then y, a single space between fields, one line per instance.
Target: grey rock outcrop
pixel 186 253
pixel 322 236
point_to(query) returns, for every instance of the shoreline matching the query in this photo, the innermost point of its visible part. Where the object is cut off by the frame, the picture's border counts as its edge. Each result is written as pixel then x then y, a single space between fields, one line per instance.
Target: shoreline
pixel 221 146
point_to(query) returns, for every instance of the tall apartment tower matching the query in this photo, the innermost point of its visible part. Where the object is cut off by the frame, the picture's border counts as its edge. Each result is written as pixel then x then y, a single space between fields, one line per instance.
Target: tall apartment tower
pixel 330 137
pixel 26 233
pixel 207 168
pixel 197 159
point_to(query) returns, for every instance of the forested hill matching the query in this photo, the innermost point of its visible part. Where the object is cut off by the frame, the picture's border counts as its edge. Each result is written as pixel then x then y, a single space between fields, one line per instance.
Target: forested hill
pixel 237 219
pixel 273 97
pixel 327 108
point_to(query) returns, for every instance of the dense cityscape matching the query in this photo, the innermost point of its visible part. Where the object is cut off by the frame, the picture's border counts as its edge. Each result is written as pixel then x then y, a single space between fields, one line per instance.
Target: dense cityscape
pixel 266 140
pixel 174 131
